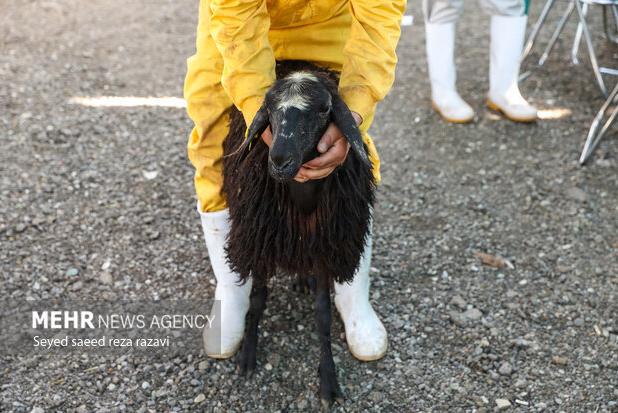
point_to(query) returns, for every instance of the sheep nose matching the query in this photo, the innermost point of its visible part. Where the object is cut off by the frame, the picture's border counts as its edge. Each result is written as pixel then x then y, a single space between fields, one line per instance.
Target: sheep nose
pixel 280 160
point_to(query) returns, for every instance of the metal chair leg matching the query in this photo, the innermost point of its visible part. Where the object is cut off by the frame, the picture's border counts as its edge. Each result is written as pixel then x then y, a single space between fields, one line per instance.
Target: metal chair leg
pixel 613 11
pixel 536 28
pixel 554 37
pixel 591 54
pixel 594 137
pixel 578 38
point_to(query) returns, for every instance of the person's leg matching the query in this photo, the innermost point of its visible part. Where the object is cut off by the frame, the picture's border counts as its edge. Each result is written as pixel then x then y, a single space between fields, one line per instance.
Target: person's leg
pixel 440 19
pixel 208 106
pixel 508 29
pixel 365 333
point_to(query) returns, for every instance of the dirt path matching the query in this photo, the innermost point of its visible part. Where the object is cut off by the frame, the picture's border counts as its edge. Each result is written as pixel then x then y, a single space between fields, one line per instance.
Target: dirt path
pixel 83 217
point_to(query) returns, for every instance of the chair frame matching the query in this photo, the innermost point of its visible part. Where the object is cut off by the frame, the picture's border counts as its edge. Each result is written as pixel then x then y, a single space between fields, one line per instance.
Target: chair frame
pixel 610 9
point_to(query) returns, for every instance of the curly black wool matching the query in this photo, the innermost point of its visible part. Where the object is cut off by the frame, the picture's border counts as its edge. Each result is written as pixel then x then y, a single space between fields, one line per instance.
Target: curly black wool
pixel 318 228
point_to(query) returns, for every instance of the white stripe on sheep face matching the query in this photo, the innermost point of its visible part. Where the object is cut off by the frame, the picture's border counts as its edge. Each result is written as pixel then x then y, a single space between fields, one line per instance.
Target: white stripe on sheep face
pixel 293 96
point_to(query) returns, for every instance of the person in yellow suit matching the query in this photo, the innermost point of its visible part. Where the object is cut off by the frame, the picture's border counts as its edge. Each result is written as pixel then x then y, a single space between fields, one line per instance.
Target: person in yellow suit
pixel 238 42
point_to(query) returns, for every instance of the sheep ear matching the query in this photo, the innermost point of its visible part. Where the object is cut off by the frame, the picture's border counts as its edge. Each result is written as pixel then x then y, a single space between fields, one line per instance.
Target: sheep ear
pixel 259 125
pixel 347 125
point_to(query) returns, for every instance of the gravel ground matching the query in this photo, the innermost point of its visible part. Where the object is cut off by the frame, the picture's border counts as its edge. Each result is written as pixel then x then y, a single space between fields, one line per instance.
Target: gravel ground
pixel 83 215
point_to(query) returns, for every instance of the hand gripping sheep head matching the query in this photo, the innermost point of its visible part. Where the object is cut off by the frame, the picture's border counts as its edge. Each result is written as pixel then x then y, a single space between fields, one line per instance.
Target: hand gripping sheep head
pixel 298 109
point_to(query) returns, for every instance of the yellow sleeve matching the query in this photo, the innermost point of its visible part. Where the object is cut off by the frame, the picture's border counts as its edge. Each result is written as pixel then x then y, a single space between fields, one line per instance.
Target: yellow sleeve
pixel 369 54
pixel 239 29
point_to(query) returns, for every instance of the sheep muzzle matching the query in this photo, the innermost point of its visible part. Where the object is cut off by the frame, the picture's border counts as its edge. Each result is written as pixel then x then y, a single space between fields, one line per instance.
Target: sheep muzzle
pixel 296 134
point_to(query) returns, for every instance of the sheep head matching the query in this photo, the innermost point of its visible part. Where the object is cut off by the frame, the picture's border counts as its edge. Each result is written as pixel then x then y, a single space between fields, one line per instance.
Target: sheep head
pixel 299 108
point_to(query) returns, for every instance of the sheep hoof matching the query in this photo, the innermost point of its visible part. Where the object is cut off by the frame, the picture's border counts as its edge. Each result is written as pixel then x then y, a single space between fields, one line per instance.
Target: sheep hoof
pixel 246 371
pixel 304 284
pixel 329 388
pixel 327 404
pixel 247 361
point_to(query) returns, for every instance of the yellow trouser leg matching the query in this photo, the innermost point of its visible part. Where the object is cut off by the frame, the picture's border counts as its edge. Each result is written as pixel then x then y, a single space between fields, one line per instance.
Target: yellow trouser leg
pixel 206 155
pixel 208 106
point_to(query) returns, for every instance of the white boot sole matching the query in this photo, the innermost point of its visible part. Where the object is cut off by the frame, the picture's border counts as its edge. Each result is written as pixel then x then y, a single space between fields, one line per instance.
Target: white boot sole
pixel 375 357
pixel 451 120
pixel 504 112
pixel 224 356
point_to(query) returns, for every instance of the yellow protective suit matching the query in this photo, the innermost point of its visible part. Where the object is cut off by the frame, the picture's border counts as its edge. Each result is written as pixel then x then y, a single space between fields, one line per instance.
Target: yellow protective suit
pixel 237 44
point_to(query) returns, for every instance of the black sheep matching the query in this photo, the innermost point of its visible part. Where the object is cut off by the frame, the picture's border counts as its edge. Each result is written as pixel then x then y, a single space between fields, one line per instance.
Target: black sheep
pixel 317 228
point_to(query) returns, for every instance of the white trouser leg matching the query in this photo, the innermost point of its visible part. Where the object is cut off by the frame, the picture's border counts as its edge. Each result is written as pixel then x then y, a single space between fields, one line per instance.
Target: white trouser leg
pixel 507 40
pixel 440 45
pixel 364 332
pixel 442 11
pixel 223 339
pixel 515 8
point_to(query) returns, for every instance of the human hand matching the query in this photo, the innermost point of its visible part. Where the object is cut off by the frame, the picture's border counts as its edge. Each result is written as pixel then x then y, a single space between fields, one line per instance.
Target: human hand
pixel 267 136
pixel 333 147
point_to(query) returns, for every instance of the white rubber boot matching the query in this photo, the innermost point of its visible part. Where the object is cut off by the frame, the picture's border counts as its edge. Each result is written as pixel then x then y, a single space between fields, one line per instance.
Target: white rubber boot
pixel 364 332
pixel 223 338
pixel 507 40
pixel 440 58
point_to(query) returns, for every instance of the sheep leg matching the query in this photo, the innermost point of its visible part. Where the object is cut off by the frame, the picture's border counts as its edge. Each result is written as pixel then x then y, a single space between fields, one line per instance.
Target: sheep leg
pixel 247 361
pixel 329 388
